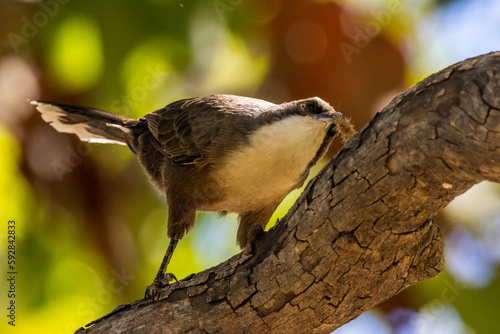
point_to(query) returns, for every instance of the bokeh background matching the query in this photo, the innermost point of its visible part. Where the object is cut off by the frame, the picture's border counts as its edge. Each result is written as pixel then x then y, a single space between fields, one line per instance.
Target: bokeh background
pixel 90 229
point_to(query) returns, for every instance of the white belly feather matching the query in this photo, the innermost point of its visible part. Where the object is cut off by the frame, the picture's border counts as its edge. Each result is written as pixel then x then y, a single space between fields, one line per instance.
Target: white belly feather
pixel 269 168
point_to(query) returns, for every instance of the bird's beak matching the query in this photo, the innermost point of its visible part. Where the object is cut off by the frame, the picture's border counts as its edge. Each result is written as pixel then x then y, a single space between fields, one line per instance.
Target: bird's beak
pixel 328 117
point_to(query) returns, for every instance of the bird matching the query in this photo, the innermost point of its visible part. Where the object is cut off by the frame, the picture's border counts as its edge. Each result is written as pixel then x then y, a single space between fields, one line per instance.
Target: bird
pixel 221 153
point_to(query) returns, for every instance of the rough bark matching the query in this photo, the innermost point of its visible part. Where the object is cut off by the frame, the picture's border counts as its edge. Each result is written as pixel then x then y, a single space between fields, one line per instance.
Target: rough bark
pixel 361 232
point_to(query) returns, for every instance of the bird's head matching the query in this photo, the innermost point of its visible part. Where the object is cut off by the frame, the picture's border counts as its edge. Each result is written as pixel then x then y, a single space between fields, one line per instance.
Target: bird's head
pixel 316 108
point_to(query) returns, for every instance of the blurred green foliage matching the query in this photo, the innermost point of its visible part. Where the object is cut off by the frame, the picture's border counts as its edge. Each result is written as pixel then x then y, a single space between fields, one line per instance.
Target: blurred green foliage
pixel 90 230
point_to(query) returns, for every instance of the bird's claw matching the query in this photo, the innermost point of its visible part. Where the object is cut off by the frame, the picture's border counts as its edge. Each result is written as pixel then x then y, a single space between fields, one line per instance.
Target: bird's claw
pixel 160 281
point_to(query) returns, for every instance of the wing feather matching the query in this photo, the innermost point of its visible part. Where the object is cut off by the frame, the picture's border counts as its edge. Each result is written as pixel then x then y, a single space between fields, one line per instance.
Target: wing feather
pixel 190 131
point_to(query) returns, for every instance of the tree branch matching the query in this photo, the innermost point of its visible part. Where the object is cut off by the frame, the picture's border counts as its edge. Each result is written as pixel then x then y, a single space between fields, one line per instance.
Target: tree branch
pixel 362 230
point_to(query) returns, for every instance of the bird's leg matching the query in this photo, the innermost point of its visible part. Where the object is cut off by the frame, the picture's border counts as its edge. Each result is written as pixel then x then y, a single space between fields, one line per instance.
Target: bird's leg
pixel 153 291
pixel 251 227
pixel 166 259
pixel 255 231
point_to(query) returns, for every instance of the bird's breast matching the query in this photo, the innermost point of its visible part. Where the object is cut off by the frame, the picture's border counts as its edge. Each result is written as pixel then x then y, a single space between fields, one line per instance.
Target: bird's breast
pixel 267 169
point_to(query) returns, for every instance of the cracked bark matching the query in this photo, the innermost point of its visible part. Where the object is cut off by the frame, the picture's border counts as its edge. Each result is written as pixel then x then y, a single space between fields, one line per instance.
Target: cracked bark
pixel 361 232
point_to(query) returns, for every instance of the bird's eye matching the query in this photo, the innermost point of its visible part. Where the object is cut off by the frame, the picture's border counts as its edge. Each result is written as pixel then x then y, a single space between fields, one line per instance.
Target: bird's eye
pixel 311 105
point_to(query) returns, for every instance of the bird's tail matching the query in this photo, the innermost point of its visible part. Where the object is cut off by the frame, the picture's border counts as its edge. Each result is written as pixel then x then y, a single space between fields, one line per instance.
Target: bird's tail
pixel 92 125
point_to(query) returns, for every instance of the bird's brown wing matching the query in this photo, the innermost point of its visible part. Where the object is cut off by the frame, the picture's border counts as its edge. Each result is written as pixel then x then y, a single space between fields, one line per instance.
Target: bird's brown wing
pixel 193 130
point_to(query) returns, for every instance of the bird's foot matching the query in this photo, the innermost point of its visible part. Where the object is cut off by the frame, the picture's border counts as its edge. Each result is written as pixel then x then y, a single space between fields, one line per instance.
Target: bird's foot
pixel 254 233
pixel 160 281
